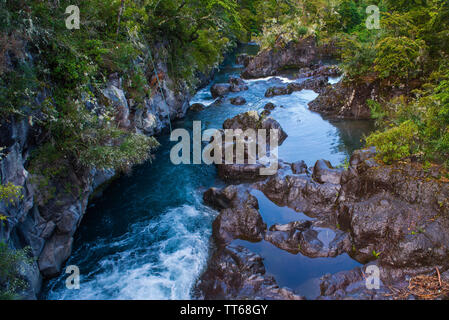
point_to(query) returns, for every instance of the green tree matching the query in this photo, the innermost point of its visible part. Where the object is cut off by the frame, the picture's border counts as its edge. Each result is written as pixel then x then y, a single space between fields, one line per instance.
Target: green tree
pixel 399 58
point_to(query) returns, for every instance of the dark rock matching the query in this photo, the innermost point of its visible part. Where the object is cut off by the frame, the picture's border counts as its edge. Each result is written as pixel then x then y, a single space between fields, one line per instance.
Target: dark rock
pixel 299 167
pixel 295 54
pixel 317 84
pixel 271 124
pixel 249 170
pixel 265 113
pixel 247 120
pixel 197 107
pixel 240 219
pixel 277 91
pixel 319 70
pixel 240 172
pixel 269 106
pixel 238 101
pixel 302 237
pixel 323 172
pixel 350 285
pixel 243 59
pixel 55 252
pixel 346 100
pixel 220 89
pixel 237 84
pixel 235 273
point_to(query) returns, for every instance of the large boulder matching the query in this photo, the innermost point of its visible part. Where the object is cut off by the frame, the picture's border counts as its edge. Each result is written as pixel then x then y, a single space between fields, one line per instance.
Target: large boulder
pixel 196 107
pixel 246 120
pixel 317 84
pixel 303 237
pixel 239 217
pixel 237 84
pixel 235 273
pixel 220 90
pixel 295 54
pixel 323 172
pixel 346 100
pixel 252 120
pixel 249 170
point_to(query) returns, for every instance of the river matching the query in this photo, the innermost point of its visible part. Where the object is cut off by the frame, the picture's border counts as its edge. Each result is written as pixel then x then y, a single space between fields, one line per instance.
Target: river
pixel 148 235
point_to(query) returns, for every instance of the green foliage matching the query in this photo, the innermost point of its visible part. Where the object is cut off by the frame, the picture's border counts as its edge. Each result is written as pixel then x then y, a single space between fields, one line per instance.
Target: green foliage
pixel 133 148
pixel 11 261
pixel 399 57
pixel 350 15
pixel 10 193
pixel 395 143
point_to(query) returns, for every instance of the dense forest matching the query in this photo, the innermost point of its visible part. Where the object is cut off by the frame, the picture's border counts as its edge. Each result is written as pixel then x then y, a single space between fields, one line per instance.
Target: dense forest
pixel 43 61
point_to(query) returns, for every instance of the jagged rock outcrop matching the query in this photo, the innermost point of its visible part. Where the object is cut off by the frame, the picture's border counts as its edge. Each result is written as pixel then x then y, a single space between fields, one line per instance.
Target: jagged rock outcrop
pixel 235 273
pixel 248 171
pixel 346 100
pixel 197 107
pixel 302 237
pixel 350 285
pixel 239 217
pixel 397 214
pixel 243 59
pixel 234 85
pixel 317 84
pixel 295 54
pixel 47 223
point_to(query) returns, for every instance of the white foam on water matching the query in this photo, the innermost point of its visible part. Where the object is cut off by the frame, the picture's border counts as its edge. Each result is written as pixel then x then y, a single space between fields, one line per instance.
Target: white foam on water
pixel 157 259
pixel 283 79
pixel 334 80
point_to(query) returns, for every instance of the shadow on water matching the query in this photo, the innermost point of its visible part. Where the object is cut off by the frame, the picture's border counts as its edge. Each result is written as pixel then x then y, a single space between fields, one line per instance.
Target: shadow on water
pixel 147 237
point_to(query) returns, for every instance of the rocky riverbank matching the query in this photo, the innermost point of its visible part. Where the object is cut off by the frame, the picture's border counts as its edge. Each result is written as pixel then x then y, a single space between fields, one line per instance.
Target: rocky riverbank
pixel 46 223
pixel 392 216
pixel 395 216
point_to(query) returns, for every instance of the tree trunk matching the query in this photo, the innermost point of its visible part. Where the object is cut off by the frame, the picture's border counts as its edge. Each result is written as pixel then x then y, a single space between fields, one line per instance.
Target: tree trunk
pixel 119 17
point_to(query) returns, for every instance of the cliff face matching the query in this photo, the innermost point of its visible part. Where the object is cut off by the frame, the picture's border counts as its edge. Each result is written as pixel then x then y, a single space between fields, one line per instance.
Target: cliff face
pixel 47 226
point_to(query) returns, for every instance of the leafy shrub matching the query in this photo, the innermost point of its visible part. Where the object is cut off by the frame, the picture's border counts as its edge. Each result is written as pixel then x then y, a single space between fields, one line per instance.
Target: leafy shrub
pixel 10 193
pixel 11 281
pixel 396 143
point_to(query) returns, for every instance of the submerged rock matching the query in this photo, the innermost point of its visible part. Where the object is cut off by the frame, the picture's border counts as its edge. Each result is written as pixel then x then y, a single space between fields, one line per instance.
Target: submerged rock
pixel 238 101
